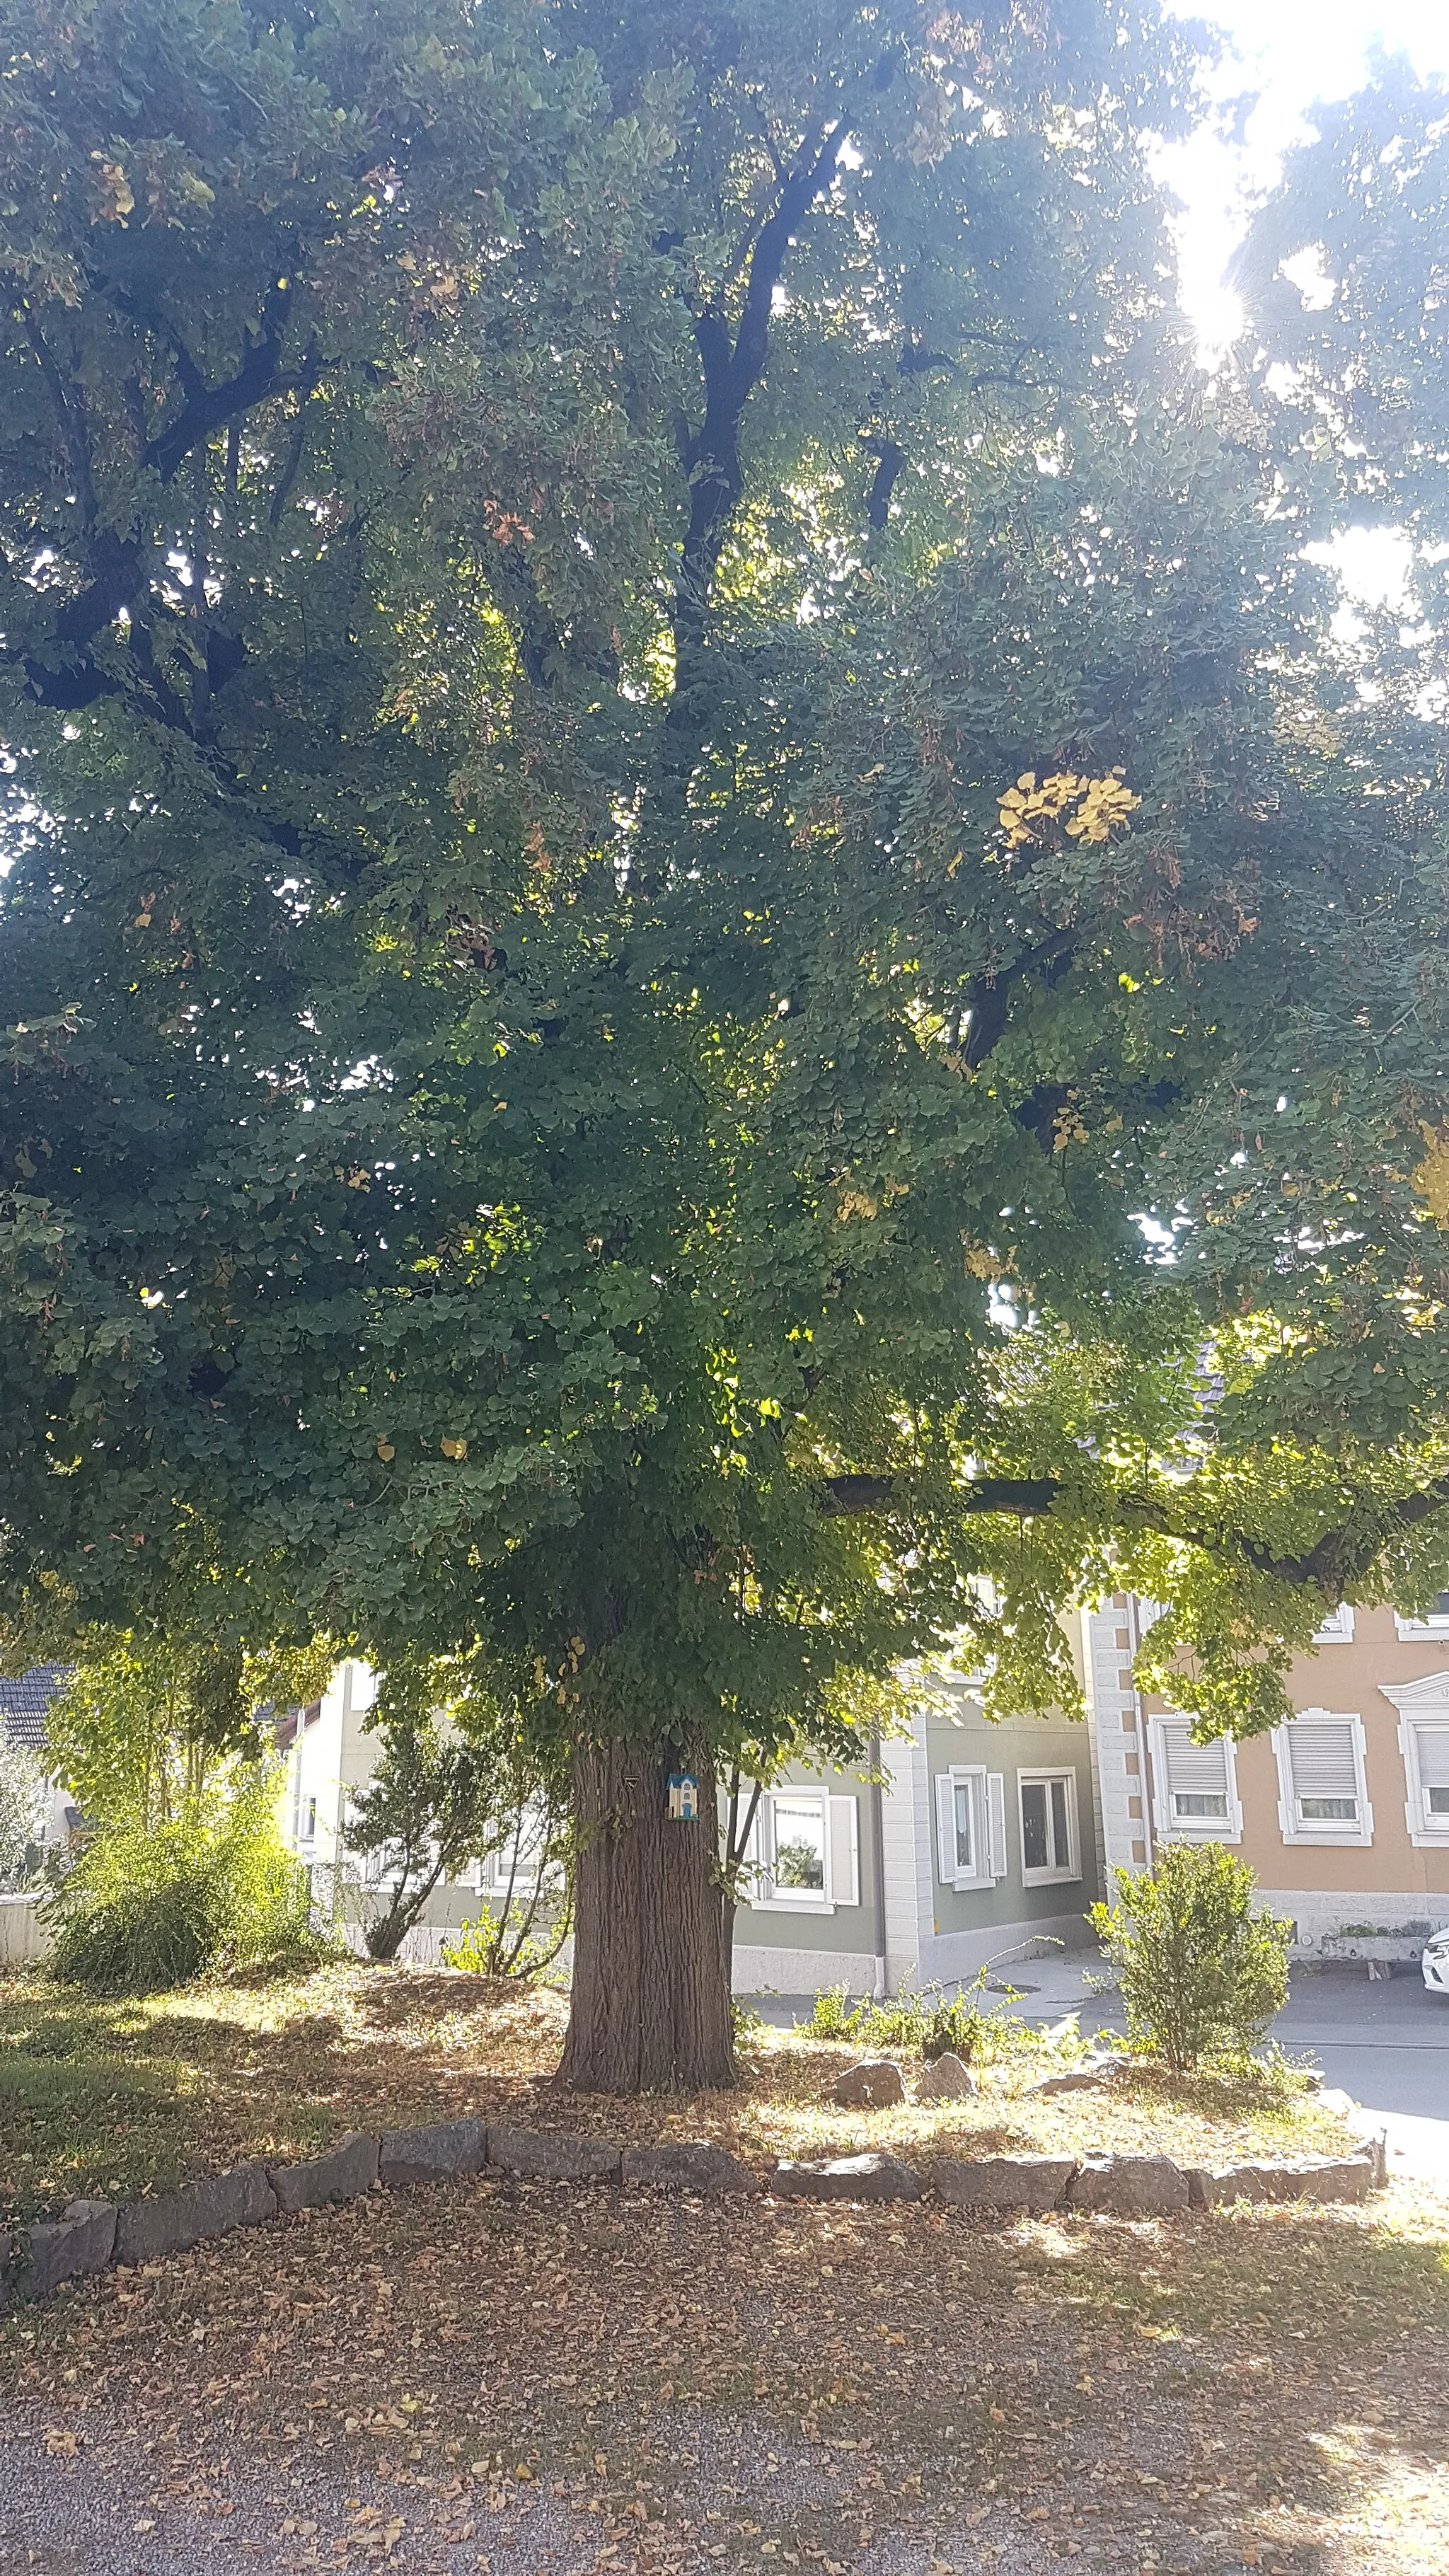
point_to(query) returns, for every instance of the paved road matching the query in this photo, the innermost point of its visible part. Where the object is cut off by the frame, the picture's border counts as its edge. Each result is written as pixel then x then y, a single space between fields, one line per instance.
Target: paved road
pixel 1385 2042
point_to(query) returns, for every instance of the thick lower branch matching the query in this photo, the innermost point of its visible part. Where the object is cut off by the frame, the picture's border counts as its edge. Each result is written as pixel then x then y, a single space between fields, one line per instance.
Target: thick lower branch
pixel 1338 1559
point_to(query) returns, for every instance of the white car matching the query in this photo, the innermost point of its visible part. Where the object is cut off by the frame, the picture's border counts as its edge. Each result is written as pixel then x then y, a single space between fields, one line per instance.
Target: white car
pixel 1436 1962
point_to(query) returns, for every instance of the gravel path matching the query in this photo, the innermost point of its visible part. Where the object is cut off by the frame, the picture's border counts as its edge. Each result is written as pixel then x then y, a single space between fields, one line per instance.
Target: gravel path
pixel 556 2383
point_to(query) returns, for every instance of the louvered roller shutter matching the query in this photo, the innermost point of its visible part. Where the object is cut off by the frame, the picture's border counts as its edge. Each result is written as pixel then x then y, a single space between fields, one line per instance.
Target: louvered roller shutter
pixel 1194 1786
pixel 1323 1769
pixel 1433 1748
pixel 1321 1779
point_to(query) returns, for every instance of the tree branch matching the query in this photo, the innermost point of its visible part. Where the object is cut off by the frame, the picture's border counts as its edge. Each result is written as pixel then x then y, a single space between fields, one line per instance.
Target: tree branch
pixel 206 408
pixel 70 419
pixel 1332 1565
pixel 308 373
pixel 850 1496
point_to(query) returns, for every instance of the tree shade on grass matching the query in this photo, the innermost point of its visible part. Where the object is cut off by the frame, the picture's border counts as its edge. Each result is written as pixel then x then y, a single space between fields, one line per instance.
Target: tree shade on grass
pixel 711 971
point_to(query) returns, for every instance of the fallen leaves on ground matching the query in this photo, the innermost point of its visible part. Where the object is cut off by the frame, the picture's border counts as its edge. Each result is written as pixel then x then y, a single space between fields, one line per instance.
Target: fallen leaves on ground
pixel 540 2379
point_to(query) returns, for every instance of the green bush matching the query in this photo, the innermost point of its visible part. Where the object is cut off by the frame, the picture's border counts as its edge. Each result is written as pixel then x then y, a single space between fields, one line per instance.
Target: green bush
pixel 506 1944
pixel 921 2022
pixel 149 1907
pixel 1203 1970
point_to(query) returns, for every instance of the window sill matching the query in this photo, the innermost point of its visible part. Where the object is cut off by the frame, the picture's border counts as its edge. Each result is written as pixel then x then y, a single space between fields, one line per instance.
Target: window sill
pixel 1215 1832
pixel 1353 1838
pixel 790 1905
pixel 1051 1877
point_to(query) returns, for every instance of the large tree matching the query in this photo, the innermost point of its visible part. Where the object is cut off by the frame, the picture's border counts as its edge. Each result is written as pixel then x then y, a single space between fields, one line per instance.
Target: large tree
pixel 699 991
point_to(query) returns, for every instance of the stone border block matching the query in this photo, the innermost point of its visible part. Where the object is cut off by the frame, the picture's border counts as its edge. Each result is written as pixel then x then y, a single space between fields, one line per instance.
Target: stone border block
pixel 344 2173
pixel 444 2148
pixel 847 2178
pixel 146 2229
pixel 1032 2183
pixel 866 2086
pixel 692 2167
pixel 81 2240
pixel 1129 2187
pixel 554 2155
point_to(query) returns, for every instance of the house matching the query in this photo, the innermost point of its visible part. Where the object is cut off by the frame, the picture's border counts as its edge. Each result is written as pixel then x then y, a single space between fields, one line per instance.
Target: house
pixel 980 1838
pixel 330 1755
pixel 1343 1814
pixel 24 1704
pixel 975 1840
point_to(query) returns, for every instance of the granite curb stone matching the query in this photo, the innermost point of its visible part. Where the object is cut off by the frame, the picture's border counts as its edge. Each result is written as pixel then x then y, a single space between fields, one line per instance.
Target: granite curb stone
pixel 847 2178
pixel 691 2167
pixel 1129 2186
pixel 1033 2183
pixel 60 2249
pixel 444 2147
pixel 554 2155
pixel 1321 2178
pixel 192 2215
pixel 344 2173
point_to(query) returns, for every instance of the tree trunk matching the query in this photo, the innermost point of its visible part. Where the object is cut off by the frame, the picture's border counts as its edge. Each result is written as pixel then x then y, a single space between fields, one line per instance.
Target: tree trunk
pixel 651 1999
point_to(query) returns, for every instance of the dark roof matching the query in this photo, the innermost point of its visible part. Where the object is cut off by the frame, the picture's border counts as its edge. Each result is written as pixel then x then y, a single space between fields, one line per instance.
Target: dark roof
pixel 23 1703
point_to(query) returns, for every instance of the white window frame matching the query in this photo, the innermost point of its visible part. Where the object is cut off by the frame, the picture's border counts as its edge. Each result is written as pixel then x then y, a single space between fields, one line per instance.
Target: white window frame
pixel 1421 1703
pixel 1173 1828
pixel 490 1876
pixel 987 1793
pixel 1296 1830
pixel 1337 1628
pixel 1435 1623
pixel 1047 1774
pixel 840 1821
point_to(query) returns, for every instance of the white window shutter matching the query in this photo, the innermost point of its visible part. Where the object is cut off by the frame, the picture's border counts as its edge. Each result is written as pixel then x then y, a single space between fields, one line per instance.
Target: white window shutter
pixel 946 1827
pixel 1194 1788
pixel 1434 1757
pixel 844 1851
pixel 1320 1758
pixel 996 1824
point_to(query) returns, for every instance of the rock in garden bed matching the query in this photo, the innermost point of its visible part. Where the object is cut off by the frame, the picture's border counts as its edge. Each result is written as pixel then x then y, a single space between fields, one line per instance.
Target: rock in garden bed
pixel 948 2079
pixel 875 2082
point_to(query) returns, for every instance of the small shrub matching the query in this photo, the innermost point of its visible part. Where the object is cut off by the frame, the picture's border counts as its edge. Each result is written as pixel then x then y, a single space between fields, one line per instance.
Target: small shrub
pixel 506 1944
pixel 1203 1971
pixel 921 2022
pixel 150 1907
pixel 833 2016
pixel 751 2029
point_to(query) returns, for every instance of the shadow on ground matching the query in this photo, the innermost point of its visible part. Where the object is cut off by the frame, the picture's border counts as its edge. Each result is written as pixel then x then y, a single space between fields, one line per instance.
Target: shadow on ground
pixel 525 2379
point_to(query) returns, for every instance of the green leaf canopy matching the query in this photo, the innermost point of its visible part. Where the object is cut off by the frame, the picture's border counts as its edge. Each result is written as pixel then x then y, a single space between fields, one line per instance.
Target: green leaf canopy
pixel 710 968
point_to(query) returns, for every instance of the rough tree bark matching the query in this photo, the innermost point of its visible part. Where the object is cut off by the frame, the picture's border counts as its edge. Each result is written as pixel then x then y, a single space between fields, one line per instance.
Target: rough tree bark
pixel 651 1999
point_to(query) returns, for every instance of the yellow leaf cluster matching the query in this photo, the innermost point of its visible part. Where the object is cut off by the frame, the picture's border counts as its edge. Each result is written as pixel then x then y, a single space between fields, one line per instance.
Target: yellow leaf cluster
pixel 1431 1177
pixel 1088 809
pixel 454 1448
pixel 113 189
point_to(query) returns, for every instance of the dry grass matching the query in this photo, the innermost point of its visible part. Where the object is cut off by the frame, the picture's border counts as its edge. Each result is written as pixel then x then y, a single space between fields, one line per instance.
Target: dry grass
pixel 120 2097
